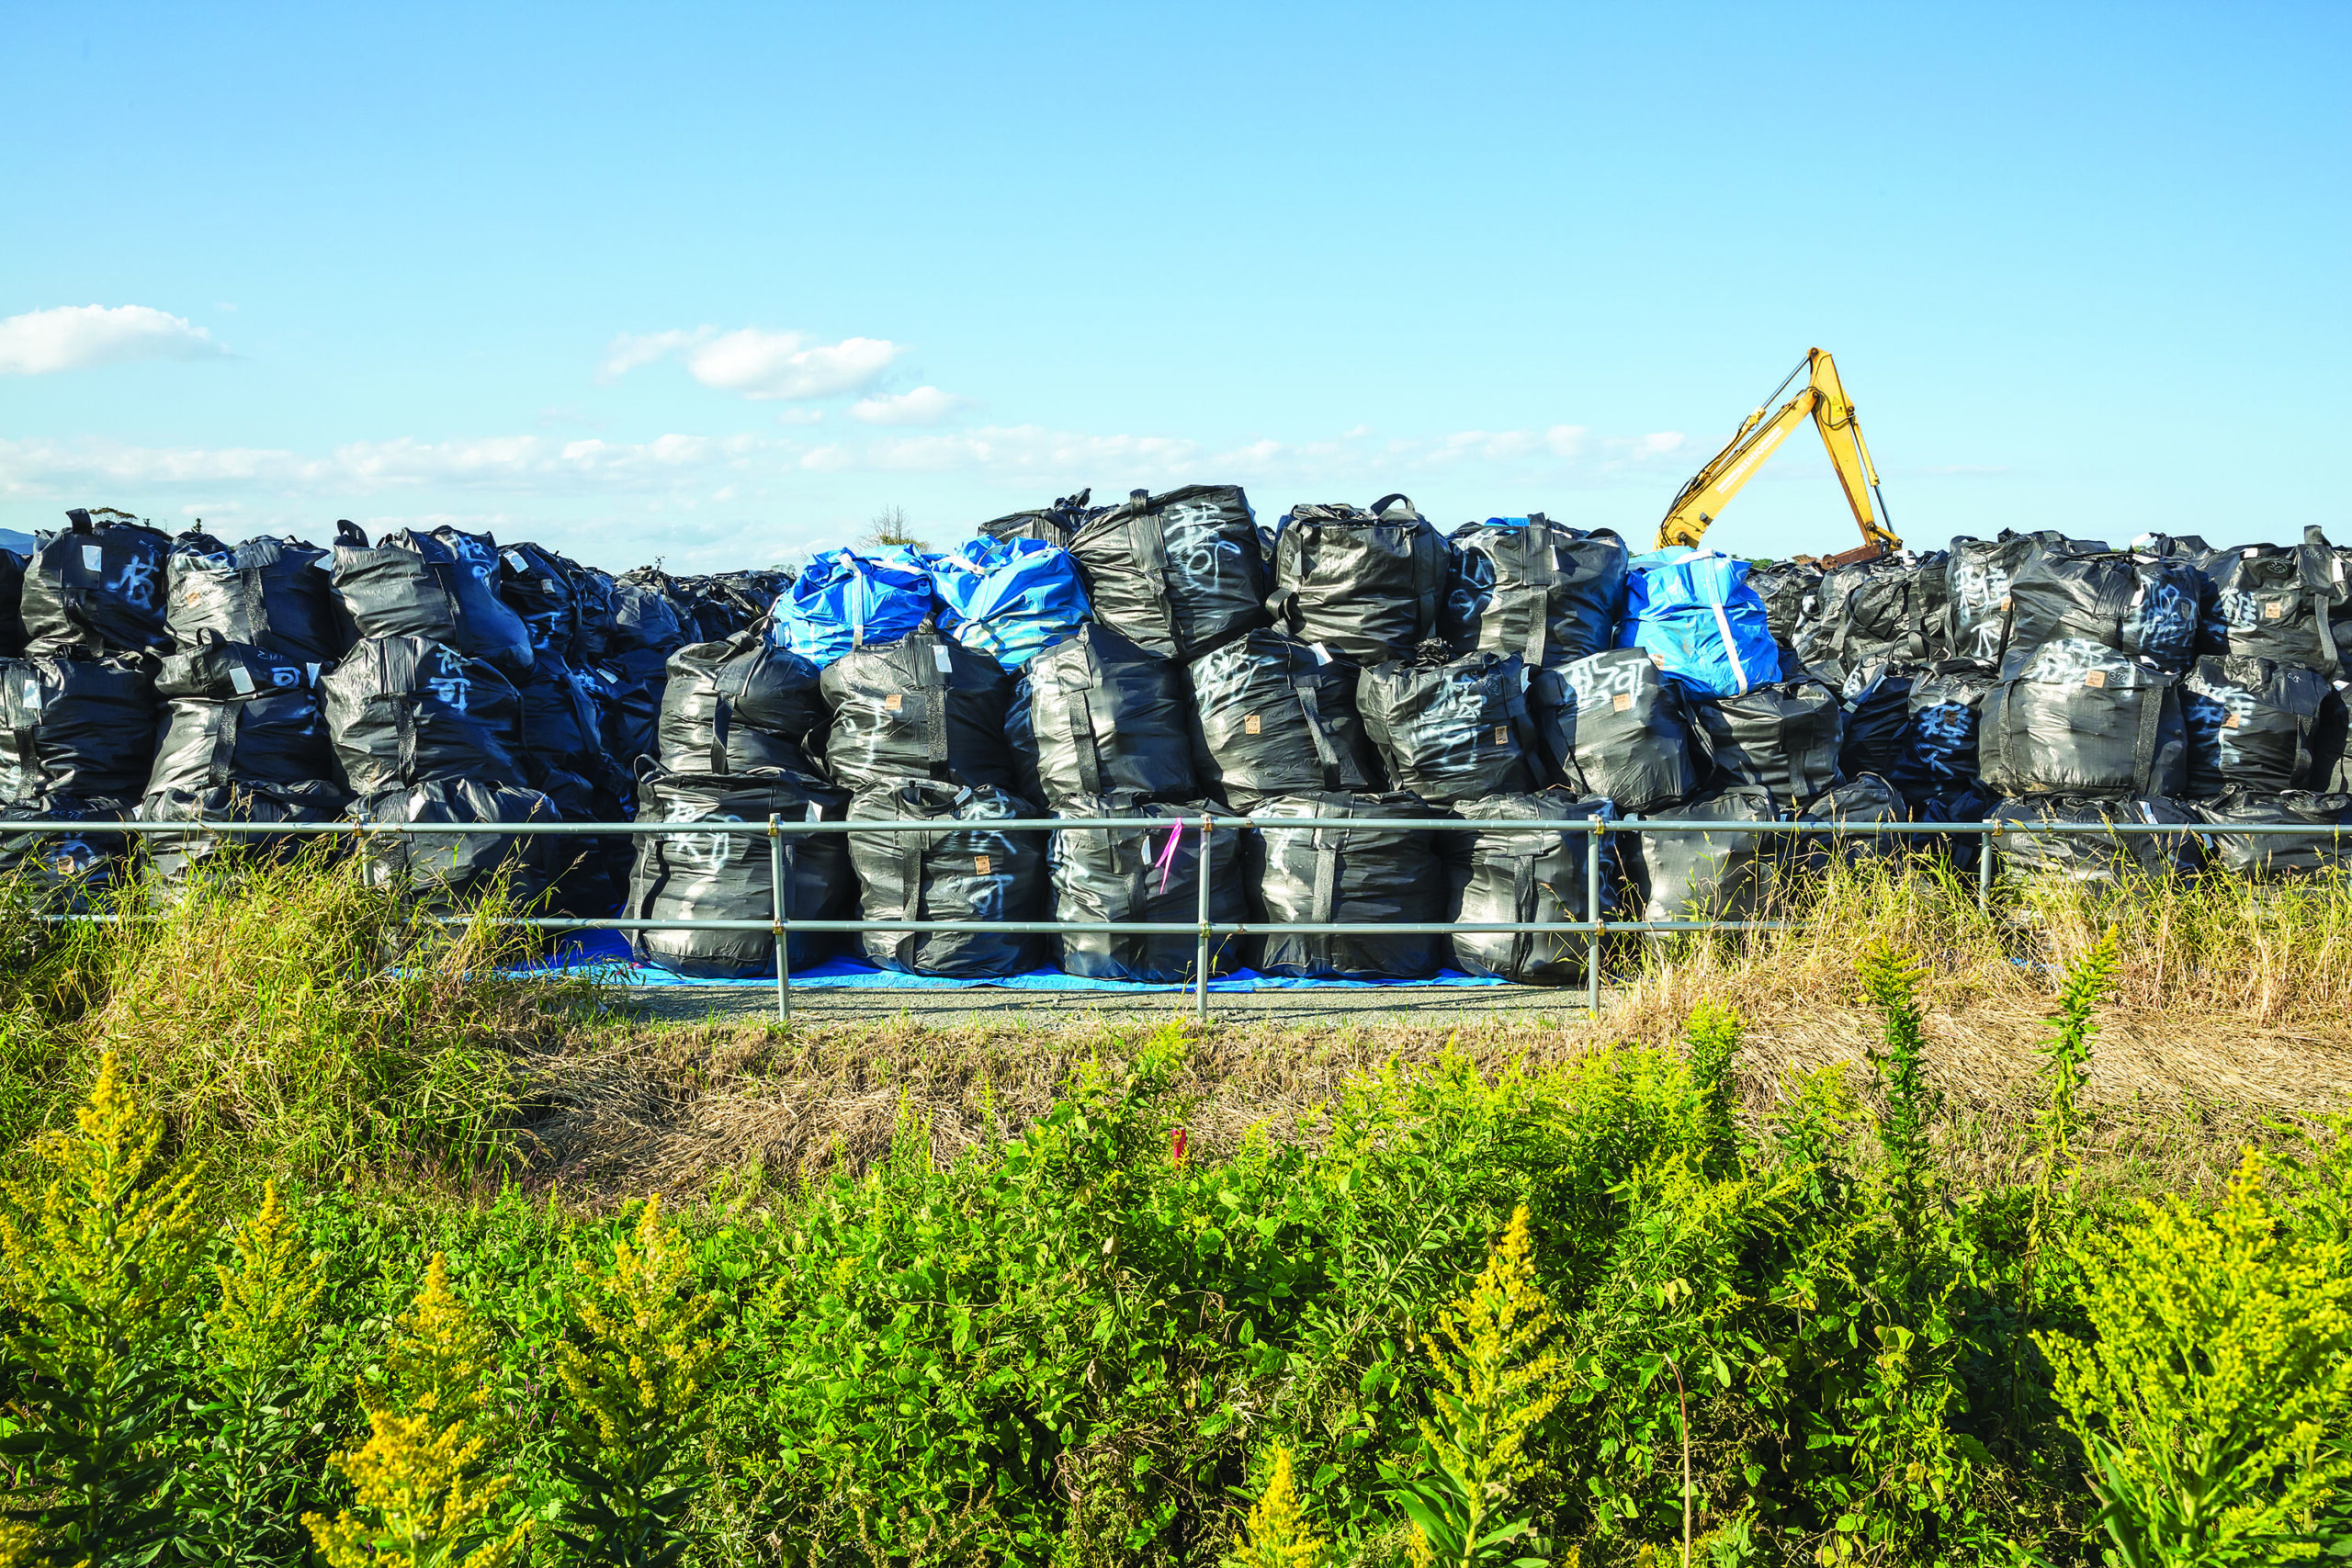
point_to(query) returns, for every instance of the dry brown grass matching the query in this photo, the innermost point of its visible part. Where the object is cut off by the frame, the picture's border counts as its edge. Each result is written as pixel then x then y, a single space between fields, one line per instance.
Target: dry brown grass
pixel 2232 1014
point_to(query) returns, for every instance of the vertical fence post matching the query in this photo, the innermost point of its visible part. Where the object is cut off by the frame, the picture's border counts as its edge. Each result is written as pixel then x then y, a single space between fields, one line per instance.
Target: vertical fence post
pixel 1201 959
pixel 1594 848
pixel 783 938
pixel 1985 868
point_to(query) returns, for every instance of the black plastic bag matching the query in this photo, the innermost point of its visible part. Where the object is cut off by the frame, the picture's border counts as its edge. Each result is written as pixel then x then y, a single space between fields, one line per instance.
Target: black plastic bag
pixel 271 593
pixel 1051 525
pixel 1176 574
pixel 541 587
pixel 1878 710
pixel 1790 590
pixel 449 871
pixel 963 870
pixel 1143 874
pixel 412 585
pixel 1977 573
pixel 75 726
pixel 1506 876
pixel 1783 737
pixel 2291 603
pixel 1612 726
pixel 64 866
pixel 2139 604
pixel 740 705
pixel 1862 801
pixel 1888 607
pixel 13 636
pixel 1449 729
pixel 924 706
pixel 1937 756
pixel 2259 726
pixel 1715 874
pixel 1096 715
pixel 717 874
pixel 97 589
pixel 1271 716
pixel 2100 857
pixel 2280 856
pixel 172 856
pixel 1548 592
pixel 1370 871
pixel 1365 585
pixel 403 710
pixel 2074 717
pixel 645 620
pixel 592 610
pixel 235 715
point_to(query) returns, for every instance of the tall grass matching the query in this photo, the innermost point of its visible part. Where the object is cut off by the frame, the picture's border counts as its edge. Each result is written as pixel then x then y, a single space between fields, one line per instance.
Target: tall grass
pixel 285 1015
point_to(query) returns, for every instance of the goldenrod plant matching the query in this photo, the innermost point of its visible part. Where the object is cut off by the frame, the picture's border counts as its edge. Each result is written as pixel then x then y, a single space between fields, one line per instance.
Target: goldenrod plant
pixel 1278 1533
pixel 2214 1396
pixel 95 1271
pixel 265 1383
pixel 637 1399
pixel 422 1499
pixel 1501 1375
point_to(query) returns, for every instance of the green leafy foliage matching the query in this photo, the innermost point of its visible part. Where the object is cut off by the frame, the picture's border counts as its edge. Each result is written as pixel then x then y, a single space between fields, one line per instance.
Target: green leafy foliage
pixel 1788 1331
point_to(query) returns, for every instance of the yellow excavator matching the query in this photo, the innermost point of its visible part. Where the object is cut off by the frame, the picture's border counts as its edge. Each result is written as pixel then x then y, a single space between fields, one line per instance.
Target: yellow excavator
pixel 1702 500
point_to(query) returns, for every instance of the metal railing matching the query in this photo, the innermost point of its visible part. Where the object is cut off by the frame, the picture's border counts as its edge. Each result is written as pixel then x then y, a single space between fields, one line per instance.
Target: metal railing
pixel 780 924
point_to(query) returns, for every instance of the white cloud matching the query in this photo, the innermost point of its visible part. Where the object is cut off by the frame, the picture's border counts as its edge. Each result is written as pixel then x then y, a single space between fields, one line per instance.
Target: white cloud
pixel 631 350
pixel 74 337
pixel 759 364
pixel 776 365
pixel 924 405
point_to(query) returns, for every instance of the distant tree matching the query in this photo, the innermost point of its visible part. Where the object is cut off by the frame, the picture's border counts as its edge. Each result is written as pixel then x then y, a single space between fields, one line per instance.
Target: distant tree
pixel 889 531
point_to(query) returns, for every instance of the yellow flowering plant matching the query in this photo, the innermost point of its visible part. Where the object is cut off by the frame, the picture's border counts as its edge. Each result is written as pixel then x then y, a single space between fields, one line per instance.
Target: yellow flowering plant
pixel 95 1271
pixel 637 1391
pixel 423 1501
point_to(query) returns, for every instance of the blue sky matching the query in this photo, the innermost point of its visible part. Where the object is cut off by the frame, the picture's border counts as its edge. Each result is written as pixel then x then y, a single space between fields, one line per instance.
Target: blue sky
pixel 715 284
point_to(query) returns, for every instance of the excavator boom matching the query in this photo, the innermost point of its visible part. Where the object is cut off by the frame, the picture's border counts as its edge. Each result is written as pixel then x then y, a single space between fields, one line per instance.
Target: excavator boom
pixel 1824 398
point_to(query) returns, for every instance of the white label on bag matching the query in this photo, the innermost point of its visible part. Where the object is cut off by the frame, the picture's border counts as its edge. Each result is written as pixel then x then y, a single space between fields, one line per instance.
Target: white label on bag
pixel 315 673
pixel 939 657
pixel 240 678
pixel 1322 654
pixel 32 696
pixel 93 558
pixel 515 559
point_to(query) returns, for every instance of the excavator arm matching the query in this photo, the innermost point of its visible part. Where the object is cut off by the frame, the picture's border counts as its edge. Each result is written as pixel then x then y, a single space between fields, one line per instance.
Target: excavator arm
pixel 1711 489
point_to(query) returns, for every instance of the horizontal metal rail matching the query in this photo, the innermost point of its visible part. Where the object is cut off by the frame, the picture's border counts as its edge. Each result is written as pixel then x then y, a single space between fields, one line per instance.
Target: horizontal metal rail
pixel 781 926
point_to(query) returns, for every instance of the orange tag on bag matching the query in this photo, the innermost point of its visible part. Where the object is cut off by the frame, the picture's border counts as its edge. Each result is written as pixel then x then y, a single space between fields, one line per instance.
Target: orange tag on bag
pixel 2095 678
pixel 2273 611
pixel 1502 735
pixel 1250 724
pixel 2231 722
pixel 894 702
pixel 1622 702
pixel 980 864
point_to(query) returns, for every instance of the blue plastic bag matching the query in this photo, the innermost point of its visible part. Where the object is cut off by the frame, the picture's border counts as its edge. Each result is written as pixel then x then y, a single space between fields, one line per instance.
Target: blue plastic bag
pixel 1008 598
pixel 845 600
pixel 1694 614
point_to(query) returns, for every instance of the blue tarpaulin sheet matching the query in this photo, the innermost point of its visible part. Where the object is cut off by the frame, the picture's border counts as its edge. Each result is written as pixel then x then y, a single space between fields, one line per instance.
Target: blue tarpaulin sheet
pixel 606 954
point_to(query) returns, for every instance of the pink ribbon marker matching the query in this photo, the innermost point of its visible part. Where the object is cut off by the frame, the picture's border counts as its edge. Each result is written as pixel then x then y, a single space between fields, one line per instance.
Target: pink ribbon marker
pixel 1167 861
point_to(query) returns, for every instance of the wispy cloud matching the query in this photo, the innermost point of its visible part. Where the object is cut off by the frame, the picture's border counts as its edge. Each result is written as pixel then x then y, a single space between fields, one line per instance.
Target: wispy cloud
pixel 76 337
pixel 924 405
pixel 756 363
